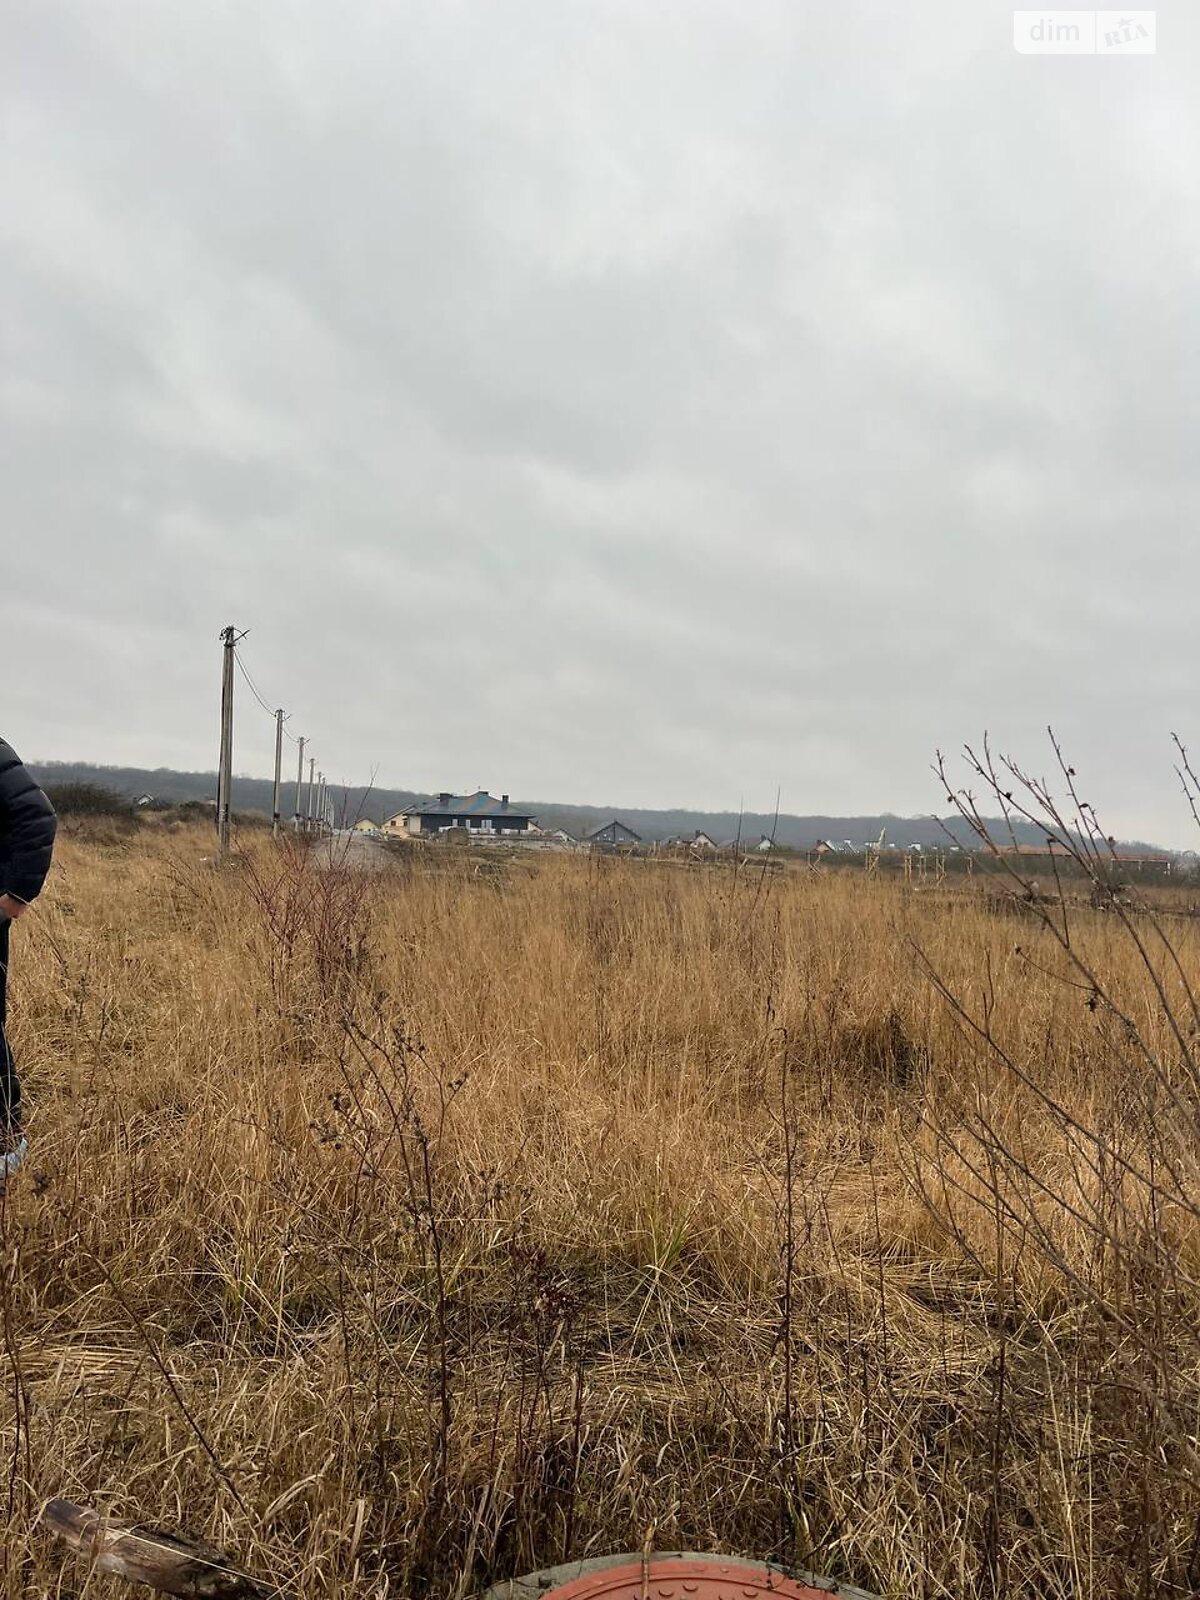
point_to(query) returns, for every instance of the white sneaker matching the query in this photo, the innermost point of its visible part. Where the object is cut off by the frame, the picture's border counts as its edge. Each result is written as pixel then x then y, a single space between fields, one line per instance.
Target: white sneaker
pixel 11 1156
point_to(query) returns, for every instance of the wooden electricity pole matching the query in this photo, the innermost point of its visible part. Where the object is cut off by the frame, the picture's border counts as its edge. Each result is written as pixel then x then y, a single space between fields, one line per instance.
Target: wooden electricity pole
pixel 299 785
pixel 278 771
pixel 225 773
pixel 308 809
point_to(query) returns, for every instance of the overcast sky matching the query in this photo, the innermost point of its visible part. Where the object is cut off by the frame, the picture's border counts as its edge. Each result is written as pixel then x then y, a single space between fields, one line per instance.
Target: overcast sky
pixel 642 403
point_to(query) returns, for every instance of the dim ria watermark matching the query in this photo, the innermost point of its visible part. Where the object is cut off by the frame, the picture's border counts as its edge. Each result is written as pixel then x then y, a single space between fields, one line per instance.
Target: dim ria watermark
pixel 1085 33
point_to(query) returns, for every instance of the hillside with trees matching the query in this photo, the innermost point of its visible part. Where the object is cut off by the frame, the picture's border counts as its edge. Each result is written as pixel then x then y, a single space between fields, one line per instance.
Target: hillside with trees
pixel 162 784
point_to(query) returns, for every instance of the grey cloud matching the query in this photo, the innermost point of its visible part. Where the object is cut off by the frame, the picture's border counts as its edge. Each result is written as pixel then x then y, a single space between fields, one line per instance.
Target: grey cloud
pixel 654 402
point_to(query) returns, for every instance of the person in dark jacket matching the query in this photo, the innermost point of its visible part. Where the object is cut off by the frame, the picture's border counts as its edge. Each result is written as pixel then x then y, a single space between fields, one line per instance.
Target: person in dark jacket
pixel 27 828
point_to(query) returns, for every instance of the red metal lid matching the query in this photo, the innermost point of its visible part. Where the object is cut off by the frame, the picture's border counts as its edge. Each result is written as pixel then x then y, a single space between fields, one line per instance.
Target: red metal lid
pixel 679 1578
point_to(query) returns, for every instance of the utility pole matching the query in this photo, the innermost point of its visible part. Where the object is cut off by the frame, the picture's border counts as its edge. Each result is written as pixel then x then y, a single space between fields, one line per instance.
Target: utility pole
pixel 278 770
pixel 320 802
pixel 299 785
pixel 225 771
pixel 308 809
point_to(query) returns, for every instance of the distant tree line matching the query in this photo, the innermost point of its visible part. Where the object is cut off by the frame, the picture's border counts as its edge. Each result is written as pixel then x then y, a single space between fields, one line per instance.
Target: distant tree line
pixel 76 799
pixel 796 832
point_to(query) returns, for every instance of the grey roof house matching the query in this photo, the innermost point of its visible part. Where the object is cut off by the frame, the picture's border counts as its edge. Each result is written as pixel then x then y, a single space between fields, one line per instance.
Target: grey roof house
pixel 479 813
pixel 613 833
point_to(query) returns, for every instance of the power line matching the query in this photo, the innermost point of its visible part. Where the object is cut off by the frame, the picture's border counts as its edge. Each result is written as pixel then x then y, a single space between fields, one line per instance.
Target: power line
pixel 230 639
pixel 257 693
pixel 254 690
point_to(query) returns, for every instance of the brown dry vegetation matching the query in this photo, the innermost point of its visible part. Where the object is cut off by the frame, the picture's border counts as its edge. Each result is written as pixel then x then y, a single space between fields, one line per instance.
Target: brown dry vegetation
pixel 406 1230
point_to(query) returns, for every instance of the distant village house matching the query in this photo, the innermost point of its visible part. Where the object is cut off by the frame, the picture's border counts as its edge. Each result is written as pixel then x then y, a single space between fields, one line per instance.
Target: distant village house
pixel 478 813
pixel 699 843
pixel 613 834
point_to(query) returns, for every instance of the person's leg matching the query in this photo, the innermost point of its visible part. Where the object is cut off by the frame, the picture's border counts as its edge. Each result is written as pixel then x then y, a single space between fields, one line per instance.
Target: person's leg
pixel 12 1146
pixel 10 1084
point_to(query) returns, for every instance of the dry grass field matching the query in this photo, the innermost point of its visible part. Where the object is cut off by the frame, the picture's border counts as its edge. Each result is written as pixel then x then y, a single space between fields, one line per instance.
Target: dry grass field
pixel 408 1229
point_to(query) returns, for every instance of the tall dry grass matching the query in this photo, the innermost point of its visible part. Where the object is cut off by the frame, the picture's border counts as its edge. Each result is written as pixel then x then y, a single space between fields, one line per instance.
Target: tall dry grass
pixel 404 1230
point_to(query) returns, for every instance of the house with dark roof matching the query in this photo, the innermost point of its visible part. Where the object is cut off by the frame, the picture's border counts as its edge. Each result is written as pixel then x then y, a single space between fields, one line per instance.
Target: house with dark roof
pixel 479 813
pixel 613 833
